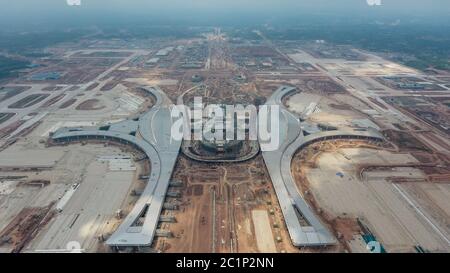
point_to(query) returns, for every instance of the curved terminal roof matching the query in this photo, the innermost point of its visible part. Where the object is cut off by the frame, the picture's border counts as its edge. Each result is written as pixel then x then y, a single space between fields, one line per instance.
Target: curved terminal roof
pixel 151 134
pixel 294 207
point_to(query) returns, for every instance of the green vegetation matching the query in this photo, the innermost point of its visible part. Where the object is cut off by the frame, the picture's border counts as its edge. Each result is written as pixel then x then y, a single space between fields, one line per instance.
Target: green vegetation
pixel 243 33
pixel 424 62
pixel 418 46
pixel 148 32
pixel 29 45
pixel 9 66
pixel 33 41
pixel 36 54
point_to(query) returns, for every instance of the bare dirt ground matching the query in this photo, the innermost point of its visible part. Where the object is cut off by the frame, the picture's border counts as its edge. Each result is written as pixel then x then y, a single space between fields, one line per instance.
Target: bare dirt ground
pixel 346 184
pixel 264 236
pixel 338 190
pixel 91 104
pixel 67 103
pixel 88 214
pixel 24 227
pixel 216 207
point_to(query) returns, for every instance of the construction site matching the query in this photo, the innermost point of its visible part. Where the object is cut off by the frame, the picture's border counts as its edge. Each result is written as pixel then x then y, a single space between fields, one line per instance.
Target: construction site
pixel 86 154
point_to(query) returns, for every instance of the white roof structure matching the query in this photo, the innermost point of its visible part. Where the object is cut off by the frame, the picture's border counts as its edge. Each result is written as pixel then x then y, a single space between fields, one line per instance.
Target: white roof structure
pixel 151 133
pixel 278 162
pixel 154 140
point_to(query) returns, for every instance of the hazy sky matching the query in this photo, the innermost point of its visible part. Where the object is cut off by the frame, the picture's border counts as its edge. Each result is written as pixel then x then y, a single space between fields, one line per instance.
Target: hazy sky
pixel 41 12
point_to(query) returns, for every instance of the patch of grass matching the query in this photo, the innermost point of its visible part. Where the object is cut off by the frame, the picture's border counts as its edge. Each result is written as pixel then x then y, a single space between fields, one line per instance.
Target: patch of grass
pixel 9 67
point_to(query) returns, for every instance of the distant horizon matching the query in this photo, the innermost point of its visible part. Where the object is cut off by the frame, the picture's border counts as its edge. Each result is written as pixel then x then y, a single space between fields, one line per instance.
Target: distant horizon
pixel 28 14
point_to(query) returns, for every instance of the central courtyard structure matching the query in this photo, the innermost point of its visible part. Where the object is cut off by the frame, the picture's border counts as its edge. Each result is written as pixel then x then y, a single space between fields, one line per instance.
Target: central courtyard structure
pixel 151 133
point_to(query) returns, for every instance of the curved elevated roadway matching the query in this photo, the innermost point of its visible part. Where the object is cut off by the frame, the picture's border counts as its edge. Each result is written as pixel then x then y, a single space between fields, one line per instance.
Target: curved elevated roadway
pixel 151 134
pixel 305 228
